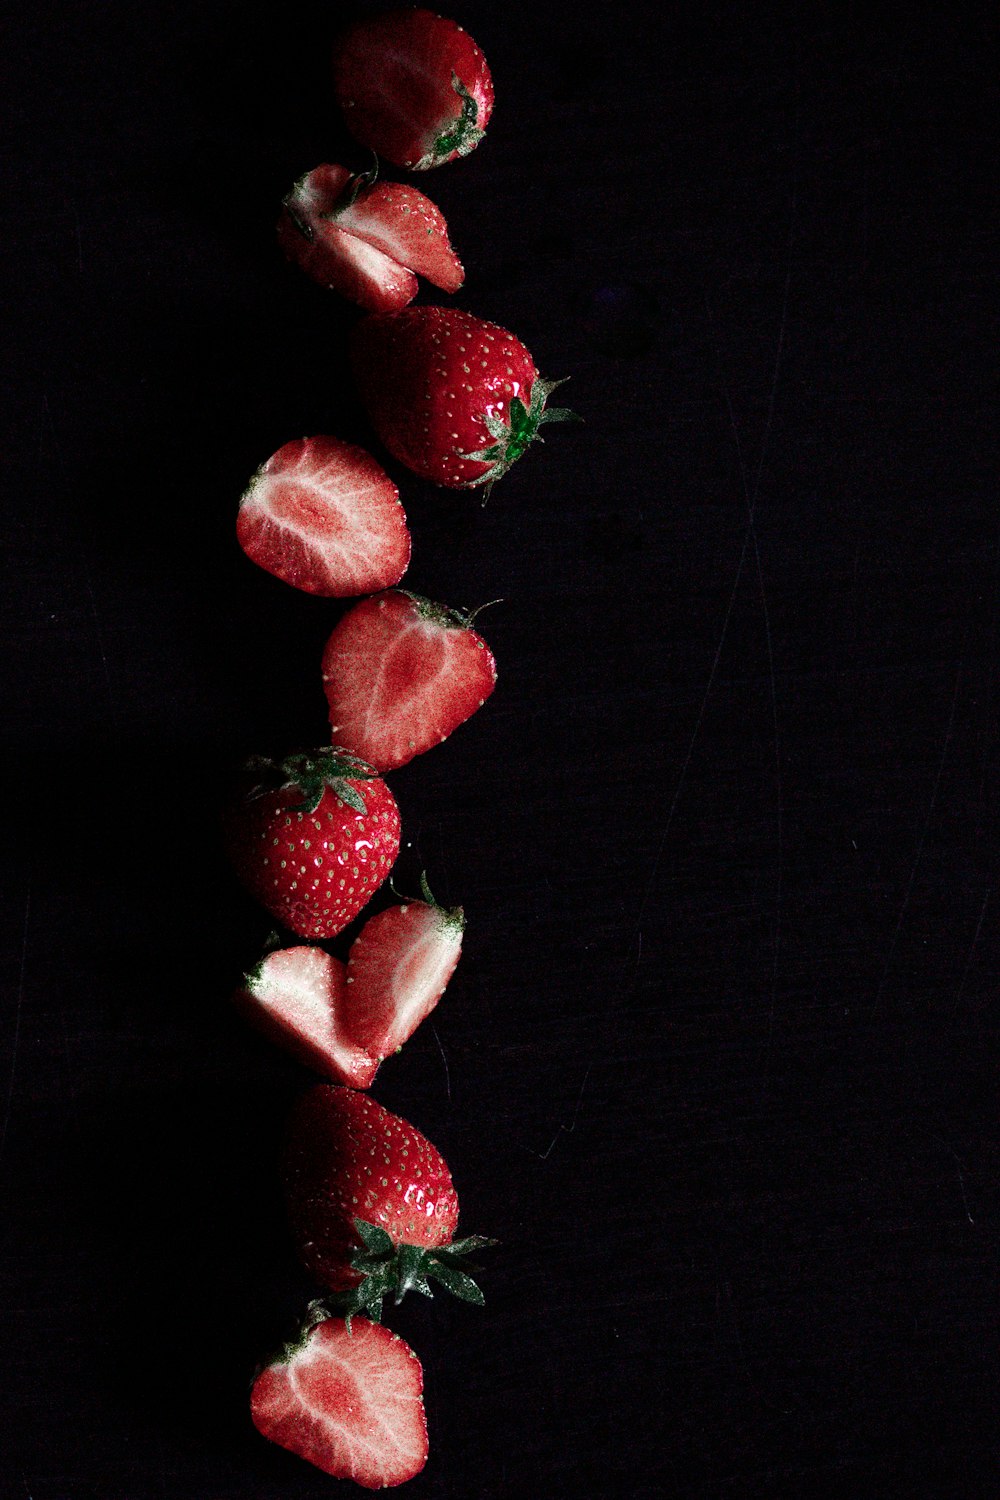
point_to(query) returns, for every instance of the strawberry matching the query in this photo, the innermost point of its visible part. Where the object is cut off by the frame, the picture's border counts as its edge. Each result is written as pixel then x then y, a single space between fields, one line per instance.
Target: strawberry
pixel 413 86
pixel 295 996
pixel 348 1399
pixel 371 1203
pixel 366 239
pixel 314 839
pixel 400 674
pixel 454 398
pixel 398 968
pixel 323 516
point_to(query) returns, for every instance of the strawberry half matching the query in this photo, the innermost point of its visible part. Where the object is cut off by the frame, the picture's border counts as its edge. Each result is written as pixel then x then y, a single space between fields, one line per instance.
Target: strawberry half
pixel 456 399
pixel 348 1399
pixel 367 240
pixel 295 996
pixel 323 516
pixel 371 1202
pixel 400 674
pixel 314 839
pixel 414 87
pixel 398 969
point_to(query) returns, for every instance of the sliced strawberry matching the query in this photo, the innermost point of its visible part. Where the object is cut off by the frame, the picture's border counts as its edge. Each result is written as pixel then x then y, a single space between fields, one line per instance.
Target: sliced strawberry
pixel 354 268
pixel 407 226
pixel 348 1399
pixel 296 997
pixel 400 674
pixel 398 969
pixel 365 240
pixel 322 515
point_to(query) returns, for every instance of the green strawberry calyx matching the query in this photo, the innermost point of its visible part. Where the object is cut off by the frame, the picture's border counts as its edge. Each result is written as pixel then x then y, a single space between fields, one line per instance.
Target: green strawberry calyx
pixel 513 436
pixel 443 615
pixel 313 772
pixel 461 135
pixel 452 917
pixel 390 1269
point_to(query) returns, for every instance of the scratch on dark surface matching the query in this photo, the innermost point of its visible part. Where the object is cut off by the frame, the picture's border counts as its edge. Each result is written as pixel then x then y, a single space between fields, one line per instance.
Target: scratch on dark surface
pixel 958 1168
pixel 565 1129
pixel 750 498
pixel 726 1292
pixel 17 1019
pixel 972 949
pixel 905 904
pixel 444 1059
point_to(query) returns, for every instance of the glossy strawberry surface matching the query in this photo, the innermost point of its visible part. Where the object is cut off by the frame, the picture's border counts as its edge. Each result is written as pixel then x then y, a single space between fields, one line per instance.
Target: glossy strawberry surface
pixel 349 1158
pixel 413 86
pixel 456 399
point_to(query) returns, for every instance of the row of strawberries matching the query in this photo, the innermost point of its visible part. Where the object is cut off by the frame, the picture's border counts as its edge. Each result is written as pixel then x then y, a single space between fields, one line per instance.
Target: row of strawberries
pixel 457 400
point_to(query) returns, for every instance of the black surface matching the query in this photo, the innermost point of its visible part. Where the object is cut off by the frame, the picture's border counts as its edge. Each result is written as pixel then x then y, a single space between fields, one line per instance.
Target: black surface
pixel 719 1064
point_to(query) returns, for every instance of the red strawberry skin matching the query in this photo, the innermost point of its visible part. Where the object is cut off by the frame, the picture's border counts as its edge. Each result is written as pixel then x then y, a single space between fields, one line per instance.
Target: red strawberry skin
pixel 395 79
pixel 367 241
pixel 349 1401
pixel 315 870
pixel 454 398
pixel 349 1158
pixel 400 674
pixel 398 968
pixel 323 516
pixel 296 998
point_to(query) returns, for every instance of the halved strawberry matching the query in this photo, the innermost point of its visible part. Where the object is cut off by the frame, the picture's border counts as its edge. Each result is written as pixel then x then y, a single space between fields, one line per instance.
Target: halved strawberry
pixel 398 969
pixel 322 515
pixel 295 996
pixel 413 86
pixel 400 674
pixel 366 239
pixel 348 1399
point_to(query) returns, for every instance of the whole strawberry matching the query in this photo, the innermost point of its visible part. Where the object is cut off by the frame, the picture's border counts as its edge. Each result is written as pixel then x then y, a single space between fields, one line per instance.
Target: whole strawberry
pixel 371 1203
pixel 314 838
pixel 413 86
pixel 454 398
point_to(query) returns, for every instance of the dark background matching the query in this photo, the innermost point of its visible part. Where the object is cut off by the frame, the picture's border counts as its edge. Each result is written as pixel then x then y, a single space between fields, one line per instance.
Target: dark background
pixel 719 1064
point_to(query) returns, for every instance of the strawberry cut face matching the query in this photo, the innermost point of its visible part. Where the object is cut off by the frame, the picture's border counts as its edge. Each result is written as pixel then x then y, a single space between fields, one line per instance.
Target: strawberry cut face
pixel 367 240
pixel 323 516
pixel 296 997
pixel 400 674
pixel 398 968
pixel 348 1400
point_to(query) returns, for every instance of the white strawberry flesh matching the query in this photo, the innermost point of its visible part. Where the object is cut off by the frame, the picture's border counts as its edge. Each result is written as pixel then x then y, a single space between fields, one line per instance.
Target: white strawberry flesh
pixel 397 971
pixel 296 997
pixel 367 245
pixel 323 516
pixel 349 1401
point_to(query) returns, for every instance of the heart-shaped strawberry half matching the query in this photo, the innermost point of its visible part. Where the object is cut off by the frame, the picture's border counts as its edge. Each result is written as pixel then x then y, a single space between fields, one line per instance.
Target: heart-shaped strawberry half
pixel 344 1020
